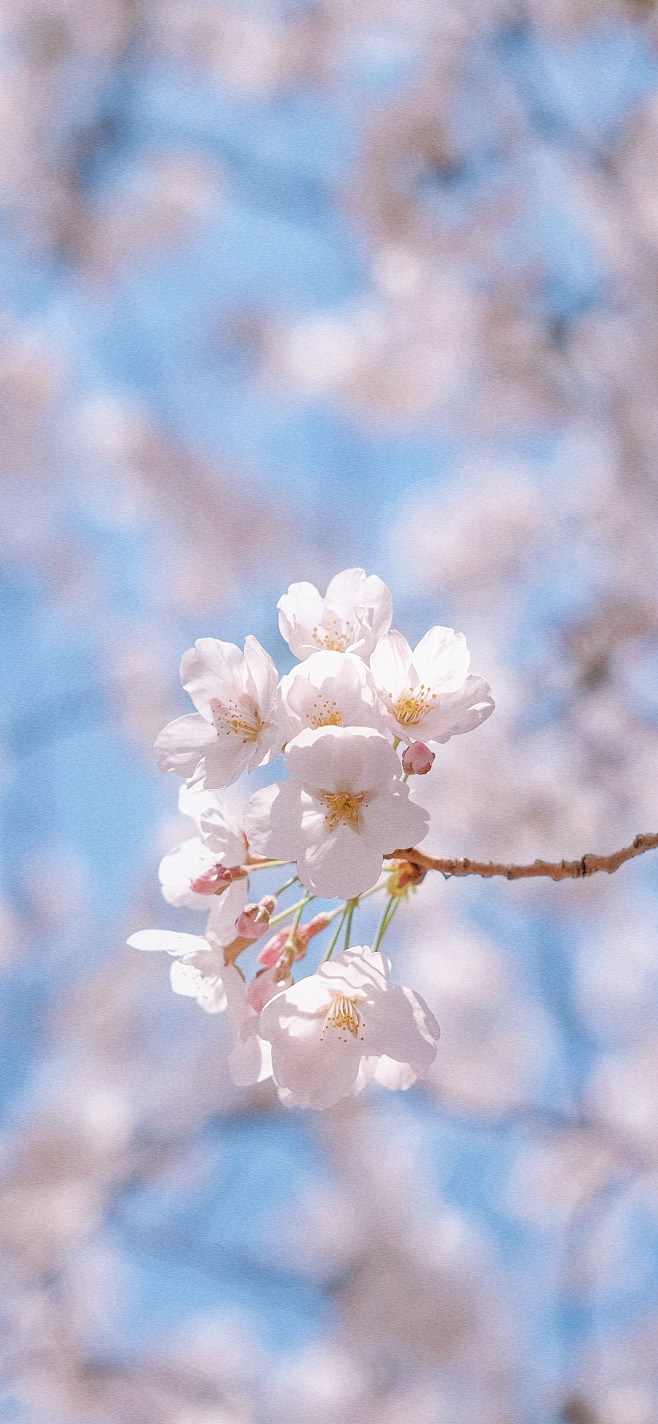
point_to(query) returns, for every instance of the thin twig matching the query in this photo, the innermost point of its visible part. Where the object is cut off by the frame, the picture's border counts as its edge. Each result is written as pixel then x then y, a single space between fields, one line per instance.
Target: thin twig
pixel 554 870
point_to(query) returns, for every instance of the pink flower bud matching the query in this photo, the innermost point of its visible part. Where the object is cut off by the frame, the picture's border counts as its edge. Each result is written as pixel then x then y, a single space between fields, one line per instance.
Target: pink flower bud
pixel 274 947
pixel 311 928
pixel 417 759
pixel 253 921
pixel 265 986
pixel 217 877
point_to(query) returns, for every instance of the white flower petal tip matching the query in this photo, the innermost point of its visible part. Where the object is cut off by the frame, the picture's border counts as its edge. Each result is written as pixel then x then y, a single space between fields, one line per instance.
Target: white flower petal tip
pixel 355 611
pixel 167 942
pixel 235 727
pixel 338 1029
pixel 343 809
pixel 187 978
pixel 429 694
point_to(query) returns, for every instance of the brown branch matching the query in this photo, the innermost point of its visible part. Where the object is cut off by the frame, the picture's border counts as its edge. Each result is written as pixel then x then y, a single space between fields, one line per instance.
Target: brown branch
pixel 554 869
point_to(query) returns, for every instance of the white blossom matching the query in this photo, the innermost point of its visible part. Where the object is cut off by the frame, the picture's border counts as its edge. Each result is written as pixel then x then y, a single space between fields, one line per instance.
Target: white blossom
pixel 325 1026
pixel 235 727
pixel 329 690
pixel 429 694
pixel 199 966
pixel 342 810
pixel 200 972
pixel 220 844
pixel 355 611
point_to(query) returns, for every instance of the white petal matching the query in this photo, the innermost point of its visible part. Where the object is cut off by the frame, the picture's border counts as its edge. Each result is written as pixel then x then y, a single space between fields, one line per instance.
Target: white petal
pixel 211 996
pixel 179 867
pixel 250 1061
pixel 300 610
pixel 272 820
pixel 168 940
pixel 342 865
pixel 352 590
pixel 214 821
pixel 390 663
pixel 225 760
pixel 399 1024
pixel 236 995
pixel 263 674
pixel 462 712
pixel 342 759
pixel 183 743
pixel 358 967
pixel 316 1069
pixel 307 999
pixel 185 979
pixel 396 1076
pixel 393 821
pixel 224 911
pixel 211 669
pixel 442 659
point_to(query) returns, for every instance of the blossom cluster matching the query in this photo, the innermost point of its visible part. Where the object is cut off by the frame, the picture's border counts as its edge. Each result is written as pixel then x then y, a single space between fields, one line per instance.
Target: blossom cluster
pixel 357 694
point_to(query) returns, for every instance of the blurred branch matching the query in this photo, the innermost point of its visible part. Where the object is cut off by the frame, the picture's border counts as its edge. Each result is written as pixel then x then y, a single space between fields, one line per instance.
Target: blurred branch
pixel 553 869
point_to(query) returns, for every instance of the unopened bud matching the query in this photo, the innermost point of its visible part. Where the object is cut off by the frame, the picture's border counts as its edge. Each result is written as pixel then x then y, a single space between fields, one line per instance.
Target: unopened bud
pixel 311 928
pixel 273 947
pixel 215 879
pixel 253 921
pixel 417 759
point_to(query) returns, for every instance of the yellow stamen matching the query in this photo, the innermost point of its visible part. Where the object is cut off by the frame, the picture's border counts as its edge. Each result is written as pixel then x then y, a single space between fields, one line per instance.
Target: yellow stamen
pixel 344 1015
pixel 232 719
pixel 412 705
pixel 335 637
pixel 324 714
pixel 342 806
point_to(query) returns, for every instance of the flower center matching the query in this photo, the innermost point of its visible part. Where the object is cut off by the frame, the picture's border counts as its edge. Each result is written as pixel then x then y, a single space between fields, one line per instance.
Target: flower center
pixel 342 806
pixel 343 1014
pixel 324 714
pixel 236 719
pixel 412 705
pixel 335 636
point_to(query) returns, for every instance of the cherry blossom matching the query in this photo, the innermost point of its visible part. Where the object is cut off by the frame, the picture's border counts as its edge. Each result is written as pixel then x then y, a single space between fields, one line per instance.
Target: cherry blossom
pixel 199 966
pixel 342 810
pixel 201 972
pixel 355 611
pixel 429 693
pixel 324 1027
pixel 207 864
pixel 235 727
pixel 330 689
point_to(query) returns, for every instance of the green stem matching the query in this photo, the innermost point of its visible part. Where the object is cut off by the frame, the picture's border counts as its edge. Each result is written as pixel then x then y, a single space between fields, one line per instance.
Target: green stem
pixel 396 743
pixel 350 908
pixel 286 886
pixel 387 917
pixel 267 865
pixel 292 909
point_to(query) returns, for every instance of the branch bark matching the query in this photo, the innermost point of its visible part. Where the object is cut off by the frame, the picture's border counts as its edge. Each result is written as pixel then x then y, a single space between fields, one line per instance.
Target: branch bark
pixel 554 870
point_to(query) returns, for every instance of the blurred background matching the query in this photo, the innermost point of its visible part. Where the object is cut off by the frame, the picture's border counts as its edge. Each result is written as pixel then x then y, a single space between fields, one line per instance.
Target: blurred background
pixel 288 287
